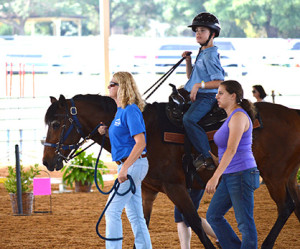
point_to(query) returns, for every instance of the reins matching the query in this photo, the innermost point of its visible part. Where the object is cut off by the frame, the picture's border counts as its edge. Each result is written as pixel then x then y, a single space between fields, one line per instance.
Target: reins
pixel 164 77
pixel 115 187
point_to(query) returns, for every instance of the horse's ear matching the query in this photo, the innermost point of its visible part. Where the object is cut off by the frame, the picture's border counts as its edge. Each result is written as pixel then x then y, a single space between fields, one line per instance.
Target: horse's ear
pixel 62 100
pixel 52 99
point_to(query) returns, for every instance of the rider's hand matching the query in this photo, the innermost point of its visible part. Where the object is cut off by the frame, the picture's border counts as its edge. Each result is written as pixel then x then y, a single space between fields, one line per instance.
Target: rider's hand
pixel 102 129
pixel 187 55
pixel 194 91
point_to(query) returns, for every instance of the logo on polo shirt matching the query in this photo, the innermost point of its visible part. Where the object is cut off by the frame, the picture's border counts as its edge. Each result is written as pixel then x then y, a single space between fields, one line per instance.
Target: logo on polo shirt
pixel 117 122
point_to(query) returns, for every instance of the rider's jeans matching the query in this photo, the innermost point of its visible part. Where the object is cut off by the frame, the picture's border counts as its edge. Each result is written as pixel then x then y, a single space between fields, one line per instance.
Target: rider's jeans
pixel 237 190
pixel 133 207
pixel 198 109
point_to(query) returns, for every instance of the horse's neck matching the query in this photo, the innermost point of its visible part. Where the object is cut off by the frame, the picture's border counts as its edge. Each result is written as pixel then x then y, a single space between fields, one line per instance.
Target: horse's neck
pixel 91 117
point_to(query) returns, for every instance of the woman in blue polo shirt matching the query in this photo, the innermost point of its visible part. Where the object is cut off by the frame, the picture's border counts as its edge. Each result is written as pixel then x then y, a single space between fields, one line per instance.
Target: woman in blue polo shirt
pixel 127 134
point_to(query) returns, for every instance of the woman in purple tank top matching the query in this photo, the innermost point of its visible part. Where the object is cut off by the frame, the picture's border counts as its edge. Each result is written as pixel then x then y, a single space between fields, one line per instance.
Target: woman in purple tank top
pixel 238 169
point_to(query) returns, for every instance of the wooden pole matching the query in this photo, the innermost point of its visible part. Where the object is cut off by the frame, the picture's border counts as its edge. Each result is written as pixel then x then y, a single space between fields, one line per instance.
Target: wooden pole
pixel 11 73
pixel 33 89
pixel 20 75
pixel 273 96
pixel 6 83
pixel 23 80
pixel 104 34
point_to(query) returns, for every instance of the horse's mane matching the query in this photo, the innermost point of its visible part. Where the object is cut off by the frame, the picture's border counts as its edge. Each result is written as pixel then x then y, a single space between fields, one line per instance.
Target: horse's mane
pixel 106 103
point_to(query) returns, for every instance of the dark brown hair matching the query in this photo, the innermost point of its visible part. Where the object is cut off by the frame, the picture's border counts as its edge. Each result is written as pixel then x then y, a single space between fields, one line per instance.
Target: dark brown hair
pixel 261 91
pixel 233 86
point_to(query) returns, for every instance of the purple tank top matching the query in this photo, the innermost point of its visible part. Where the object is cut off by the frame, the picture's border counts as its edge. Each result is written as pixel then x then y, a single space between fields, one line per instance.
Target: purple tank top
pixel 243 158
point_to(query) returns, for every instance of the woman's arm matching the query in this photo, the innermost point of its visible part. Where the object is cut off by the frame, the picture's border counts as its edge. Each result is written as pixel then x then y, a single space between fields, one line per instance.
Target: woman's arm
pixel 238 124
pixel 137 150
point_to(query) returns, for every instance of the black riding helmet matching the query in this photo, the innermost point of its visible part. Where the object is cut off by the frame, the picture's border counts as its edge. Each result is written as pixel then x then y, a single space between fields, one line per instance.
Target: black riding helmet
pixel 206 19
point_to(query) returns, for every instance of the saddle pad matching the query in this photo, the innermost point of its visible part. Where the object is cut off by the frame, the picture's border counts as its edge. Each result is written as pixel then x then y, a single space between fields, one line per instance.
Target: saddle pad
pixel 178 138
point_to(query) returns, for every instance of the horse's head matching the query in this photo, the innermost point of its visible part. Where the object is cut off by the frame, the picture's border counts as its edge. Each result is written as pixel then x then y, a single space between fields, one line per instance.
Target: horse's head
pixel 61 137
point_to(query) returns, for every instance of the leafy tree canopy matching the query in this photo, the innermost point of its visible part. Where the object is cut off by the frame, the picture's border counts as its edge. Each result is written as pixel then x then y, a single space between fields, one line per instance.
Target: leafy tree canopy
pixel 246 18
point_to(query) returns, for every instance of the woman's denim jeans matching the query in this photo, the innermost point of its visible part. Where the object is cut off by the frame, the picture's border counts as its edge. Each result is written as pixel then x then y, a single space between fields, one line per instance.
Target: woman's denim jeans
pixel 133 207
pixel 196 196
pixel 198 109
pixel 237 190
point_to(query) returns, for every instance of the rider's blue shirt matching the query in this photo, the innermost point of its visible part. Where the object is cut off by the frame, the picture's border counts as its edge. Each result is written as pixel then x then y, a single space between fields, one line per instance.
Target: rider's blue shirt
pixel 127 123
pixel 206 68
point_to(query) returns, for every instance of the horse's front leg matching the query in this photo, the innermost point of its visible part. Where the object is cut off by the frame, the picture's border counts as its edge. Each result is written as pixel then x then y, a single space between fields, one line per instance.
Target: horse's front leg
pixel 178 194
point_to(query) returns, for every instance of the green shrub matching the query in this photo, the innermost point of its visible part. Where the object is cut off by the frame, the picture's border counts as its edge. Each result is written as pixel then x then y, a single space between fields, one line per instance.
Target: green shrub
pixel 72 174
pixel 26 178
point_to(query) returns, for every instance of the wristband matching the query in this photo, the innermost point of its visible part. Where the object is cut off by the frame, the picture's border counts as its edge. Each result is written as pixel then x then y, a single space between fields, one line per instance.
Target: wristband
pixel 202 84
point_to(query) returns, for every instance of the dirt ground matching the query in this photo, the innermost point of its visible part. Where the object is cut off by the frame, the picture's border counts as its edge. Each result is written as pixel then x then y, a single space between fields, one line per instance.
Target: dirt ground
pixel 74 218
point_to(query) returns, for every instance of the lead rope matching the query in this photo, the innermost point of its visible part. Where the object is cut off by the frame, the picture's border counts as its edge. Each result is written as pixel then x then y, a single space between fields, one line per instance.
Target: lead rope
pixel 115 187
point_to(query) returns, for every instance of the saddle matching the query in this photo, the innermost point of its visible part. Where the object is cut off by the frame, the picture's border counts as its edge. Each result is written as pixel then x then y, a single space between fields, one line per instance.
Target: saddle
pixel 211 122
pixel 176 108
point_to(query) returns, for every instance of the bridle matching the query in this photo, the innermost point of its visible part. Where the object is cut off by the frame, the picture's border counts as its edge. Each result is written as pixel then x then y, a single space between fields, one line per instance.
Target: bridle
pixel 71 116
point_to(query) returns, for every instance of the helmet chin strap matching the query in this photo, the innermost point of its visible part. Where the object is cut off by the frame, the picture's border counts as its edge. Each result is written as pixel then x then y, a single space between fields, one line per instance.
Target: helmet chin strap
pixel 205 44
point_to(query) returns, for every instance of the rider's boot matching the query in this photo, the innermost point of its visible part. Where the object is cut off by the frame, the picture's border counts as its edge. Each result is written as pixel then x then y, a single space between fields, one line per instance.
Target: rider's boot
pixel 201 163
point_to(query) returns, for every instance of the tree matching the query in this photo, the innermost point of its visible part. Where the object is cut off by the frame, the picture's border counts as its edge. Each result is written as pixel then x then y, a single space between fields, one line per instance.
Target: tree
pixel 16 12
pixel 247 18
pixel 260 18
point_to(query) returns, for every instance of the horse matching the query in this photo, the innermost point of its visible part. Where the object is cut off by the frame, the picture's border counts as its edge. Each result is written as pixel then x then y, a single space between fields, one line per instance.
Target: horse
pixel 276 148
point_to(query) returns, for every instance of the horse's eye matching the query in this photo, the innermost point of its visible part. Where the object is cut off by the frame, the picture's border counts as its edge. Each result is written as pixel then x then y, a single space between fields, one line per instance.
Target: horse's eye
pixel 55 125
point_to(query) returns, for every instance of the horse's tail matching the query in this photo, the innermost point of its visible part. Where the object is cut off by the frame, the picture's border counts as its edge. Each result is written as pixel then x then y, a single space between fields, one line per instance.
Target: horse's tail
pixel 298 111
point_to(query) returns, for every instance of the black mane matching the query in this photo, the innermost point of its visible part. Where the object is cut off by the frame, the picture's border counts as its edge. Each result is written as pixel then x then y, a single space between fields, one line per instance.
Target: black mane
pixel 106 103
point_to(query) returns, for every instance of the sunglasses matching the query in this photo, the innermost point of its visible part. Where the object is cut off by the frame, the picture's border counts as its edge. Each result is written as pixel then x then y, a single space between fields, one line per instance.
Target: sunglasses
pixel 254 91
pixel 113 84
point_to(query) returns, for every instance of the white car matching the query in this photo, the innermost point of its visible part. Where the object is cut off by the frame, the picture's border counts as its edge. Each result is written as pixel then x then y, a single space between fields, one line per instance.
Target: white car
pixel 294 55
pixel 169 54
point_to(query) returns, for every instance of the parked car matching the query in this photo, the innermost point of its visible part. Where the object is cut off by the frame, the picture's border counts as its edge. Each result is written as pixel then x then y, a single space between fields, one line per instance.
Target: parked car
pixel 169 54
pixel 294 55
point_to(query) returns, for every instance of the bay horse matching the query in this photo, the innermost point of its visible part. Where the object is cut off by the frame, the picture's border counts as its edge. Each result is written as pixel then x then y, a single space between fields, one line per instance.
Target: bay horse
pixel 276 148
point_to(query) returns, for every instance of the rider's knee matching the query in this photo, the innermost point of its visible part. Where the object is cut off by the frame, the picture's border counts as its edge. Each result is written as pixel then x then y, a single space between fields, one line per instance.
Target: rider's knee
pixel 187 119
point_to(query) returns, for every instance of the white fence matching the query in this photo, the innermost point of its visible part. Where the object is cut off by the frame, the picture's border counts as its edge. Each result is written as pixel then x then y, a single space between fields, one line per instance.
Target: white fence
pixel 22 123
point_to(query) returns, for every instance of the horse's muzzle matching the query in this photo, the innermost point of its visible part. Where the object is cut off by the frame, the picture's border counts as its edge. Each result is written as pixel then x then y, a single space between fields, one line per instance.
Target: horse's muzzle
pixel 56 163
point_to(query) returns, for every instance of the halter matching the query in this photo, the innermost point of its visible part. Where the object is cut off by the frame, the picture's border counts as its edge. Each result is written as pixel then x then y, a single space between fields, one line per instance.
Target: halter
pixel 73 119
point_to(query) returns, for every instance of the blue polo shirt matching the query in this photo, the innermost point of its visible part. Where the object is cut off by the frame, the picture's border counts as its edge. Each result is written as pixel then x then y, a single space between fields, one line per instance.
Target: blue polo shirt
pixel 127 123
pixel 206 68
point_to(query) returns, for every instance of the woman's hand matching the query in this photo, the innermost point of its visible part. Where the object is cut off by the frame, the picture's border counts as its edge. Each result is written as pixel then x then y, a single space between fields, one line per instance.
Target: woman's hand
pixel 122 176
pixel 211 185
pixel 102 129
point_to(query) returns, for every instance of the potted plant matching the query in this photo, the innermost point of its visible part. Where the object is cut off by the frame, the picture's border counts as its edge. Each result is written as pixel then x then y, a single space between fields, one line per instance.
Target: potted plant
pixel 26 182
pixel 83 177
